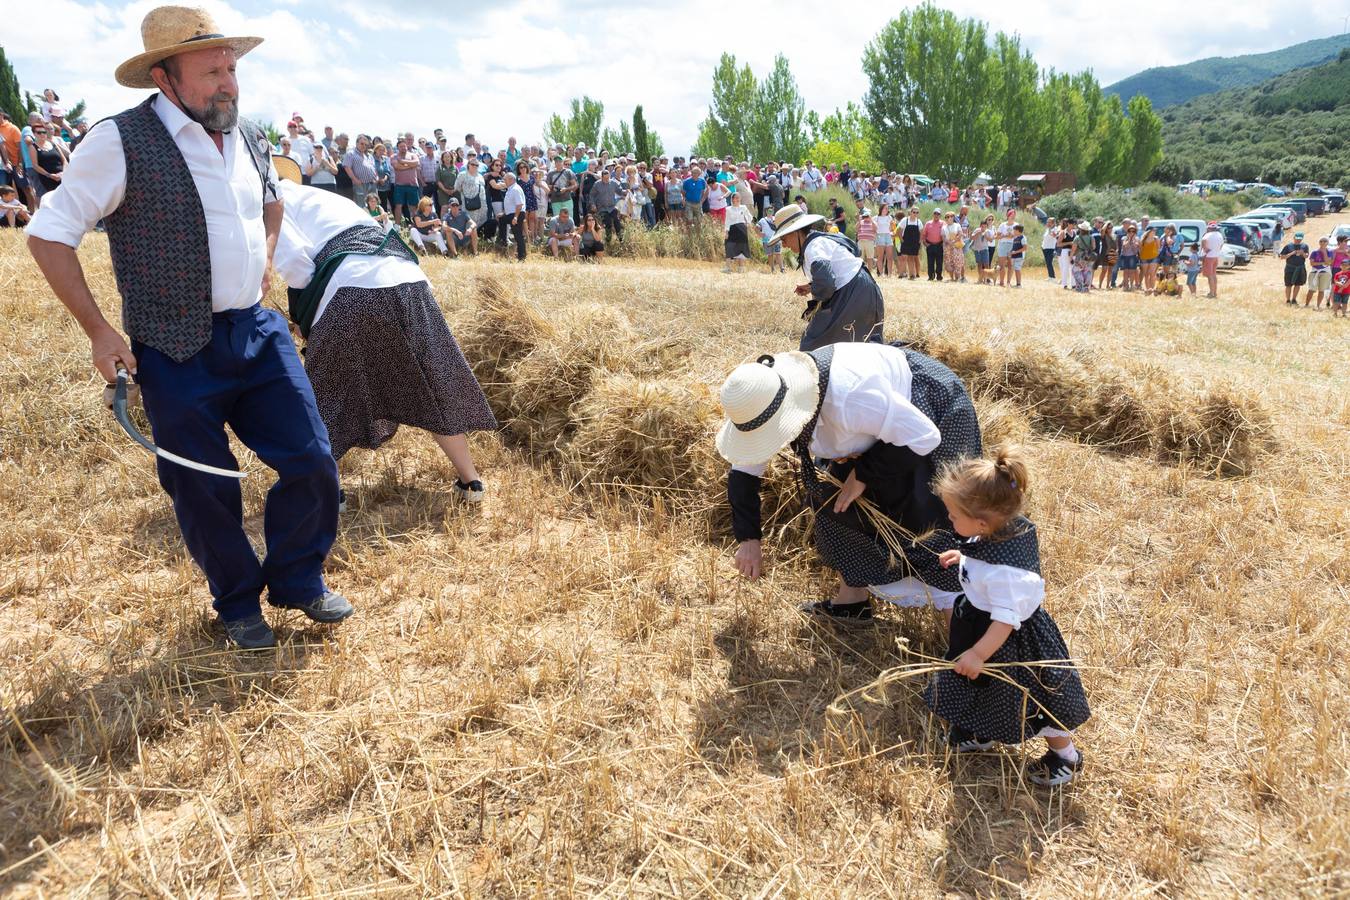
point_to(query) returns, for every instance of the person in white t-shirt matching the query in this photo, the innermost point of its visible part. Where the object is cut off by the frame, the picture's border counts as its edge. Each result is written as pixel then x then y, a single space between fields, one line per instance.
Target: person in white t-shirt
pixel 1211 245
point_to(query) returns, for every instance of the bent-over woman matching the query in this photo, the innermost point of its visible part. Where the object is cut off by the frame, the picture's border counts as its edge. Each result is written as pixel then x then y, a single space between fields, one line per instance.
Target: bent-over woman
pixel 378 351
pixel 846 303
pixel 889 418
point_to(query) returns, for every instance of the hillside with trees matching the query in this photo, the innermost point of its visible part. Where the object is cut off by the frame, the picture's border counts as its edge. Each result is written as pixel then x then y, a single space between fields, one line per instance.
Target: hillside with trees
pixel 1292 127
pixel 1167 86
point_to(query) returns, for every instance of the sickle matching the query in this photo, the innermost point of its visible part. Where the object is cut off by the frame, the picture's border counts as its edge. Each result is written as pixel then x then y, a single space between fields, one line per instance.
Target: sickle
pixel 119 408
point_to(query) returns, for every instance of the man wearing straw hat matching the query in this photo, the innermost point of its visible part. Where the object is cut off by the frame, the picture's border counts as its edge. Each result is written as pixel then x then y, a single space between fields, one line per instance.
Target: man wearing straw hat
pixel 192 213
pixel 845 304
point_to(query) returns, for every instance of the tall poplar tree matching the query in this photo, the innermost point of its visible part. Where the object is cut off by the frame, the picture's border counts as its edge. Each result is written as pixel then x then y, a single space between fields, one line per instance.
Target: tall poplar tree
pixel 778 130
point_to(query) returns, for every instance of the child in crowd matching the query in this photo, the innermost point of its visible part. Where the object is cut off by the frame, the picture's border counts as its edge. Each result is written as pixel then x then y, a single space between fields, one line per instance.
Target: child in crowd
pixel 1018 253
pixel 13 214
pixel 772 252
pixel 1340 289
pixel 1001 619
pixel 1193 268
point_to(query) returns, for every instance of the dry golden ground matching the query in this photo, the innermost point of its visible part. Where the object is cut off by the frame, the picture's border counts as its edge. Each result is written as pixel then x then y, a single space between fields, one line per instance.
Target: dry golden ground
pixel 569 692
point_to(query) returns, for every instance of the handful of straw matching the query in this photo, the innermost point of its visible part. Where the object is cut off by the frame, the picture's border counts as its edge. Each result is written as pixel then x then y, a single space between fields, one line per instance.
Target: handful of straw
pixel 873 691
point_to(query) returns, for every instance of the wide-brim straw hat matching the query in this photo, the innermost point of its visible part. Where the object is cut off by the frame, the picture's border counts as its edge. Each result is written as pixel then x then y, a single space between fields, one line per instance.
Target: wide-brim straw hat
pixel 792 218
pixel 170 30
pixel 287 168
pixel 767 404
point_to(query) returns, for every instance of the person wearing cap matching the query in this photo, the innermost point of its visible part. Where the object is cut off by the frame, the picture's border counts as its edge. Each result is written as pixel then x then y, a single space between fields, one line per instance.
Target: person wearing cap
pixel 378 350
pixel 845 304
pixel 192 212
pixel 1295 256
pixel 460 230
pixel 1211 246
pixel 889 418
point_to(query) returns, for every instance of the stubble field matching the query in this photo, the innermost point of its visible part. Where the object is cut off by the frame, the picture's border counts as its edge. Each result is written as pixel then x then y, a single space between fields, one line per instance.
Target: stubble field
pixel 570 693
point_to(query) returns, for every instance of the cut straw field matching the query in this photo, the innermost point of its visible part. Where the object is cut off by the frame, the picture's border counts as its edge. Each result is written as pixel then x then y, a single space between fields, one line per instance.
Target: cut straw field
pixel 570 693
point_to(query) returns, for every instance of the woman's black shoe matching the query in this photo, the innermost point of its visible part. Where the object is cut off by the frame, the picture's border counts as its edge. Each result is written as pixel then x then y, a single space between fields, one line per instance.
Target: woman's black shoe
pixel 848 613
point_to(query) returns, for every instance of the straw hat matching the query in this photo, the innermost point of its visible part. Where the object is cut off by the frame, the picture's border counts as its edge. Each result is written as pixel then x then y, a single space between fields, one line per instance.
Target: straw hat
pixel 792 218
pixel 767 404
pixel 170 30
pixel 287 168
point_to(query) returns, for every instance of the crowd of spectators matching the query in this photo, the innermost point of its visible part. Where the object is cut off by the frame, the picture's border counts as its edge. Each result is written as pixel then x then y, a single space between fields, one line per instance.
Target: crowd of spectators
pixel 33 155
pixel 571 200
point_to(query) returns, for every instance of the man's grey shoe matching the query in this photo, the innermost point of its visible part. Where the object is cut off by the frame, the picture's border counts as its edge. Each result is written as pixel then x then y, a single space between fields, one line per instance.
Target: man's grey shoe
pixel 252 633
pixel 328 609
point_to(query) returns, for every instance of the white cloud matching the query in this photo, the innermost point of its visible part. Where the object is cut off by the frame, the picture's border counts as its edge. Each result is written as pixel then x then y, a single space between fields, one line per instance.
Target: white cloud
pixel 500 71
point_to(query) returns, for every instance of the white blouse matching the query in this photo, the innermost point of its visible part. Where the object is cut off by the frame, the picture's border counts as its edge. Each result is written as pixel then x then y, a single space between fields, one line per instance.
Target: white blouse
pixel 867 400
pixel 313 218
pixel 1009 594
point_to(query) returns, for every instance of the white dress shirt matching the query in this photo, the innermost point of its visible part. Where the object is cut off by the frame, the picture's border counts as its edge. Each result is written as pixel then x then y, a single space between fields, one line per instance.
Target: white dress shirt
pixel 313 218
pixel 867 400
pixel 514 201
pixel 231 194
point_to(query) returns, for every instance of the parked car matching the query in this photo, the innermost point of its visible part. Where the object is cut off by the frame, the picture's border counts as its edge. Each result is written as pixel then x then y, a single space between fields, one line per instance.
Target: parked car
pixel 1299 212
pixel 1335 199
pixel 1285 217
pixel 1241 255
pixel 1261 233
pixel 1234 233
pixel 1269 190
pixel 1317 206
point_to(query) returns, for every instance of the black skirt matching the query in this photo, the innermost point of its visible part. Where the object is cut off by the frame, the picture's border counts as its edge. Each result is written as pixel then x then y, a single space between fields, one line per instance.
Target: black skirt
pixel 737 242
pixel 384 357
pixel 993 709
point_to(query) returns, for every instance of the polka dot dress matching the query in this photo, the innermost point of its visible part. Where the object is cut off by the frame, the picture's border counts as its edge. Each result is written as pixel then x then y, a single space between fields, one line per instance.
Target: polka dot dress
pixel 848 542
pixel 383 357
pixel 1045 696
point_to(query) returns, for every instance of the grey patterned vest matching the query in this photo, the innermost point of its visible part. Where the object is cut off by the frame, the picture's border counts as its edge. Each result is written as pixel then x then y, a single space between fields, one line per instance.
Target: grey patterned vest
pixel 158 236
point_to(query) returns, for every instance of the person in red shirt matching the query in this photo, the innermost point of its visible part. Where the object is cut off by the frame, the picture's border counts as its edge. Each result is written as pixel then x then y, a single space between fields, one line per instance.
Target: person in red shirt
pixel 1340 288
pixel 932 242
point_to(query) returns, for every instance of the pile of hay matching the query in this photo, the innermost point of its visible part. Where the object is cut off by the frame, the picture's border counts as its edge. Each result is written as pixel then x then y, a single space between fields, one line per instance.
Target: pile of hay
pixel 1069 395
pixel 504 330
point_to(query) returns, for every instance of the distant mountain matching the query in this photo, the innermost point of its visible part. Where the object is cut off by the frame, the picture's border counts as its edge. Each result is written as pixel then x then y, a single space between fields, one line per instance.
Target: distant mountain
pixel 1292 127
pixel 1169 85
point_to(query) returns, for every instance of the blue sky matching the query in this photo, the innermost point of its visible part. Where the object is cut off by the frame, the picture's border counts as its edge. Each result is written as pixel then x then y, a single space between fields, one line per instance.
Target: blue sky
pixel 499 70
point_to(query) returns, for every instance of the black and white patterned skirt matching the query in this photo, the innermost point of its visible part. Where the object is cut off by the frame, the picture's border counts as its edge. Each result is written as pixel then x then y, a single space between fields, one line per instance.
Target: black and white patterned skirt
pixel 383 357
pixel 1045 696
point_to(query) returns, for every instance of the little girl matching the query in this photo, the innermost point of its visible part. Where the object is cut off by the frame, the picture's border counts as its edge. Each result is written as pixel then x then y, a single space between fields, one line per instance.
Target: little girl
pixel 1000 619
pixel 1193 268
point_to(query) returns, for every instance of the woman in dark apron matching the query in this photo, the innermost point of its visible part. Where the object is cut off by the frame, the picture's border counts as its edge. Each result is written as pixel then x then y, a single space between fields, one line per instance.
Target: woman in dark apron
pixel 889 421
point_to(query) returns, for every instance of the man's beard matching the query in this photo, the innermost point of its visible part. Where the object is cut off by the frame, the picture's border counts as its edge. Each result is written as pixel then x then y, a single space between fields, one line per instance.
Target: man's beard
pixel 214 118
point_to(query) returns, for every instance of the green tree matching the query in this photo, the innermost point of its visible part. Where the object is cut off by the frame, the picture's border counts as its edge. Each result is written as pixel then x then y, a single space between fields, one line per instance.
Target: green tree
pixel 1016 89
pixel 76 112
pixel 728 128
pixel 582 125
pixel 778 130
pixel 1112 142
pixel 641 143
pixel 927 95
pixel 1146 147
pixel 618 140
pixel 11 98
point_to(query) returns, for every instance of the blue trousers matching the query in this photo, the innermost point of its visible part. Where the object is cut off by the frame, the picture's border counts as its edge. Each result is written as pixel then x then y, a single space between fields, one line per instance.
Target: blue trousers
pixel 250 377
